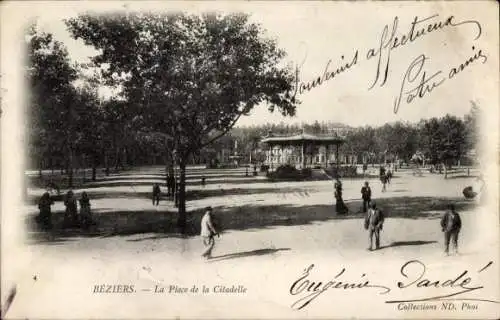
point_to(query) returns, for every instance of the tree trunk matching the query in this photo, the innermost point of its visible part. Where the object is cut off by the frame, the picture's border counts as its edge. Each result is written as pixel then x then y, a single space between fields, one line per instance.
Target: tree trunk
pixel 117 158
pixel 166 172
pixel 181 222
pixel 70 168
pixel 51 164
pixel 106 162
pixel 83 167
pixel 123 158
pixel 94 167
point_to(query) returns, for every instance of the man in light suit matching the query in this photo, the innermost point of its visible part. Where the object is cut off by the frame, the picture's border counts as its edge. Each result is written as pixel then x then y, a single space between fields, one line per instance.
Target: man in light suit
pixel 207 233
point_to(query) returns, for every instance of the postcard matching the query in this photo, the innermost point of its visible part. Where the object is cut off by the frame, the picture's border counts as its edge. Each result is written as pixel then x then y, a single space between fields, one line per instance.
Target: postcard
pixel 249 159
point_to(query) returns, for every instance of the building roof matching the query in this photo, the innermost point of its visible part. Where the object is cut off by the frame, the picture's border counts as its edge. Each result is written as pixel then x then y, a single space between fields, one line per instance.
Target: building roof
pixel 303 137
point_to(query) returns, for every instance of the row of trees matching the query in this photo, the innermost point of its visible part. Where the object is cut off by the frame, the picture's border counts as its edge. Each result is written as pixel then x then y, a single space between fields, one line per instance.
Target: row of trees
pixel 441 140
pixel 183 80
pixel 68 123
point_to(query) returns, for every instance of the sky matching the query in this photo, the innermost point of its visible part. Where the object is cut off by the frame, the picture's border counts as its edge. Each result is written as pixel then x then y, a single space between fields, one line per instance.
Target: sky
pixel 312 34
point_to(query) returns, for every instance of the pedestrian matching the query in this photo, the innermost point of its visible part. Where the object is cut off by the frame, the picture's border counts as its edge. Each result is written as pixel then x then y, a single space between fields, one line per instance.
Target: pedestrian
pixel 85 213
pixel 45 216
pixel 203 181
pixel 70 215
pixel 383 179
pixel 389 175
pixel 382 171
pixel 208 233
pixel 365 167
pixel 173 186
pixel 156 194
pixel 170 182
pixel 169 185
pixel 366 195
pixel 340 206
pixel 374 222
pixel 451 225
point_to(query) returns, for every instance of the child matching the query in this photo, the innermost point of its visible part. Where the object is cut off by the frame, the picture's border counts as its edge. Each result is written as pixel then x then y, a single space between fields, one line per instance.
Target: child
pixel 451 225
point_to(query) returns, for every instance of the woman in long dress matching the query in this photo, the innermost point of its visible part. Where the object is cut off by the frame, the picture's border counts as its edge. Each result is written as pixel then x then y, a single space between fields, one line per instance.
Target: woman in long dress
pixel 85 213
pixel 340 206
pixel 45 216
pixel 70 215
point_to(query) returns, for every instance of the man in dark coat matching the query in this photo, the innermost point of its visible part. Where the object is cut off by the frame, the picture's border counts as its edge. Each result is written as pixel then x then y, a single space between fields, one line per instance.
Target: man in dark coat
pixel 366 195
pixel 374 221
pixel 451 225
pixel 171 184
pixel 383 179
pixel 156 194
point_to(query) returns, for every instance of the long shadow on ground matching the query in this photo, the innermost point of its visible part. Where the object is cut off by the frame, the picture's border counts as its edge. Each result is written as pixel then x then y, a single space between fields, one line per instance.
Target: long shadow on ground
pixel 258 252
pixel 407 243
pixel 164 223
pixel 190 194
pixel 162 183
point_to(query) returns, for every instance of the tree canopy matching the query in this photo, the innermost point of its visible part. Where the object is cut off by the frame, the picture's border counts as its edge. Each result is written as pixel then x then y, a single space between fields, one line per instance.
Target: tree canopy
pixel 188 77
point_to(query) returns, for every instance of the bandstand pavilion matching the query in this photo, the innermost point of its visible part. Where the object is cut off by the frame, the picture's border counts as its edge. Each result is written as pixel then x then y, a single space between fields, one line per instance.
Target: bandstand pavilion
pixel 302 150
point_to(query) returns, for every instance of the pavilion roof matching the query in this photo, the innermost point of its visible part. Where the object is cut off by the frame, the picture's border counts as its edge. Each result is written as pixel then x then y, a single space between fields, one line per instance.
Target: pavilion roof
pixel 303 137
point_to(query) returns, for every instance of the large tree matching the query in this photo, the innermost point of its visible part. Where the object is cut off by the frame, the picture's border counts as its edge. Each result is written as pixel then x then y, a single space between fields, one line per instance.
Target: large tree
pixel 443 139
pixel 189 76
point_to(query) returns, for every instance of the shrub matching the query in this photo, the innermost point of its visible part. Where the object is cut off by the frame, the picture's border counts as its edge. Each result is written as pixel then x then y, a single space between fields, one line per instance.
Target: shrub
pixel 344 171
pixel 288 172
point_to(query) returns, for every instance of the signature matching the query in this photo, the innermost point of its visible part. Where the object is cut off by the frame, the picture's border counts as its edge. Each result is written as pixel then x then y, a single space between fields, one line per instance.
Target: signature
pixel 413 275
pixel 309 290
pixel 390 40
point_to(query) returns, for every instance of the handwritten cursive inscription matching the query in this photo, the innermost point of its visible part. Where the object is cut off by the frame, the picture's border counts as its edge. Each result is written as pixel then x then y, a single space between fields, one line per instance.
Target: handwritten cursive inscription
pixel 418 29
pixel 301 87
pixel 417 82
pixel 425 84
pixel 418 279
pixel 309 290
pixel 414 275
